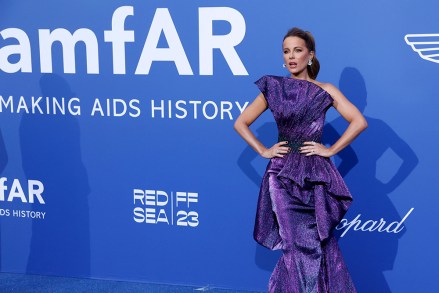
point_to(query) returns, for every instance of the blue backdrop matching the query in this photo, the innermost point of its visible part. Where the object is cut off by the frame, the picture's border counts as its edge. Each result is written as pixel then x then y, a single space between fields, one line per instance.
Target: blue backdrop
pixel 118 157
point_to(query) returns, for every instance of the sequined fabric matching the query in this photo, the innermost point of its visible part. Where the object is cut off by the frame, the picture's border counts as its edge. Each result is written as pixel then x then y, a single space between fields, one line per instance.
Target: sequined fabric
pixel 301 198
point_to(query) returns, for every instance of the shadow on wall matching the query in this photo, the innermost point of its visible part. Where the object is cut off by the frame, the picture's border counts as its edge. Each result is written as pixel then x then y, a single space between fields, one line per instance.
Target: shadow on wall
pixel 3 163
pixel 51 153
pixel 367 254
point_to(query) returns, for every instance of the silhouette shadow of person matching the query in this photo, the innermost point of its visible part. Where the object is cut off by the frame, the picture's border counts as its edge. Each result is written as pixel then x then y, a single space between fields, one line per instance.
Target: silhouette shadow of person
pixel 51 153
pixel 3 163
pixel 369 254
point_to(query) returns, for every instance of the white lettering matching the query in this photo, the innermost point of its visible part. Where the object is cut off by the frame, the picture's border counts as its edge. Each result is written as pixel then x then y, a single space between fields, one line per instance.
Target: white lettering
pixel 97 107
pixel 28 214
pixel 215 110
pixel 68 42
pixel 209 110
pixel 51 105
pixel 16 191
pixel 181 109
pixel 241 108
pixel 35 104
pixel 150 197
pixel 74 109
pixel 225 109
pixel 162 21
pixel 7 104
pixel 22 105
pixel 138 196
pixel 161 108
pixel 225 43
pixel 23 49
pixel 35 190
pixel 117 110
pixel 3 188
pixel 162 217
pixel 135 108
pixel 371 225
pixel 118 37
pixel 195 103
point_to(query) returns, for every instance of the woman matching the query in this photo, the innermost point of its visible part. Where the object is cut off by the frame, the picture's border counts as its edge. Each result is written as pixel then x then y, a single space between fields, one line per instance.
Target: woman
pixel 302 196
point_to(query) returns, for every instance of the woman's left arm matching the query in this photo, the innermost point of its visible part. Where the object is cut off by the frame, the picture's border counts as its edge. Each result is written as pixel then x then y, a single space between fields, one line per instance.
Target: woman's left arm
pixel 357 123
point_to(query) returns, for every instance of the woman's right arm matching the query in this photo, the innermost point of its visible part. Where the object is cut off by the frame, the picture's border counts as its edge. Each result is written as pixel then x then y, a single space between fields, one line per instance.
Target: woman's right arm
pixel 247 117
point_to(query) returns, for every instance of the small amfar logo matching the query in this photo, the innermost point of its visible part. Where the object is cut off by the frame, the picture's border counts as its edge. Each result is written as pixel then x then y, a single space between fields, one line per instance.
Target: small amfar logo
pixel 426 45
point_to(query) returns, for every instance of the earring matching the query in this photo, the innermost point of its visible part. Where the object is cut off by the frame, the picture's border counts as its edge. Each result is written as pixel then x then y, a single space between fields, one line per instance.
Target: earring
pixel 284 65
pixel 310 62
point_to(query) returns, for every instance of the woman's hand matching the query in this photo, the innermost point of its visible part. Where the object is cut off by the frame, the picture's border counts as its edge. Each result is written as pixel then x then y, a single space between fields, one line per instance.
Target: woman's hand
pixel 312 148
pixel 277 150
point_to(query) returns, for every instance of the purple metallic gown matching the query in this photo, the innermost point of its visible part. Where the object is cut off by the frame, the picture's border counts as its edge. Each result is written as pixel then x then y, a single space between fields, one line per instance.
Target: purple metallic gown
pixel 302 198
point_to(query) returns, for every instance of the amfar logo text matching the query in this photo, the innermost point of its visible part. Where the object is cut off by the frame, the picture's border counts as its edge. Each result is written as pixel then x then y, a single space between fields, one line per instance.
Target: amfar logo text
pixel 14 191
pixel 29 192
pixel 118 36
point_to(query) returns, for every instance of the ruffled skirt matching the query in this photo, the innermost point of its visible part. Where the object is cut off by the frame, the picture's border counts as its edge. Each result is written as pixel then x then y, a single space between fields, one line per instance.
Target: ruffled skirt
pixel 296 213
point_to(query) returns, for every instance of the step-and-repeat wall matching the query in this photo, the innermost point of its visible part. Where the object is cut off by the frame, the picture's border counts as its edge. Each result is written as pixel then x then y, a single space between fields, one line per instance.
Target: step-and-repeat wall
pixel 118 157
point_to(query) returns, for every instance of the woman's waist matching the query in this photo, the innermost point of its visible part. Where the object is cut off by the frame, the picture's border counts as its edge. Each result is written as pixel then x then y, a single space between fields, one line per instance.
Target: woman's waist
pixel 296 142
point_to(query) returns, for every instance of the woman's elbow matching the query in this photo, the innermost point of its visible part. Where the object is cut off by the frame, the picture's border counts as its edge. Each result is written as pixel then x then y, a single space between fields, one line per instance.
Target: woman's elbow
pixel 237 125
pixel 240 125
pixel 363 124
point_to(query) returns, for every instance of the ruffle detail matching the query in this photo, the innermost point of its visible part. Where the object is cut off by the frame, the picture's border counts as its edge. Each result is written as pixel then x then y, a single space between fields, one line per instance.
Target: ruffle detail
pixel 301 176
pixel 316 169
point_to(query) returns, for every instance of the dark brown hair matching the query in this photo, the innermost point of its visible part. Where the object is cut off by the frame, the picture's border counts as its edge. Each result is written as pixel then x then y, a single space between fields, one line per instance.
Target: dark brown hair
pixel 313 70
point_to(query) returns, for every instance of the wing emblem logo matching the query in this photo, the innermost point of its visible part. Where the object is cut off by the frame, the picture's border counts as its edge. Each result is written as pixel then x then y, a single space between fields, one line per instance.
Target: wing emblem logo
pixel 426 45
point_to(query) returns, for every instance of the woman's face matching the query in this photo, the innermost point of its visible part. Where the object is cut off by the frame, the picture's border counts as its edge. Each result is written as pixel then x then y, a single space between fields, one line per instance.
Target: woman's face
pixel 296 56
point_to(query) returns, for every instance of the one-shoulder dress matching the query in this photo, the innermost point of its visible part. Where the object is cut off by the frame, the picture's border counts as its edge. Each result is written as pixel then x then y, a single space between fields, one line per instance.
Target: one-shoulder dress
pixel 302 198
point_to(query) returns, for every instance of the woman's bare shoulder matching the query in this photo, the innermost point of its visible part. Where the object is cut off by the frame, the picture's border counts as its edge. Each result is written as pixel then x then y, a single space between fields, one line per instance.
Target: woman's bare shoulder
pixel 330 88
